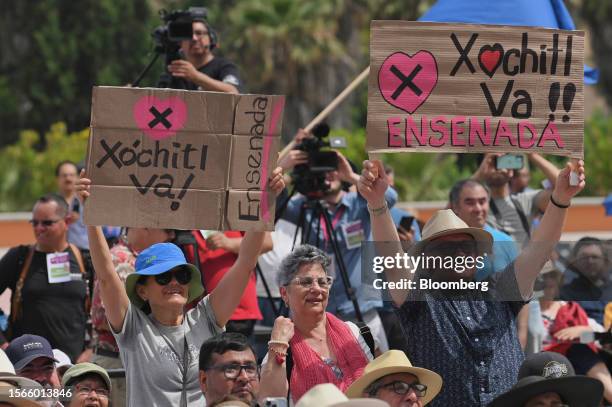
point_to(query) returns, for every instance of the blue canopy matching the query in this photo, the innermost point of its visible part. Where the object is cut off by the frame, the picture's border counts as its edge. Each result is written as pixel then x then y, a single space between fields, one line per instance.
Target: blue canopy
pixel 539 13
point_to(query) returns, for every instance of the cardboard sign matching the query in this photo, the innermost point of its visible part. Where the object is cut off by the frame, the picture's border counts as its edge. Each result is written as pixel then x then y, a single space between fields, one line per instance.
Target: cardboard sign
pixel 182 159
pixel 438 87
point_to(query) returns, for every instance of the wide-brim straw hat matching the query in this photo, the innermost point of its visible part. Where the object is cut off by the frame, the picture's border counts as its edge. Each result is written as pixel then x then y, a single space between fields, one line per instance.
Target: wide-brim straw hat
pixel 445 223
pixel 395 361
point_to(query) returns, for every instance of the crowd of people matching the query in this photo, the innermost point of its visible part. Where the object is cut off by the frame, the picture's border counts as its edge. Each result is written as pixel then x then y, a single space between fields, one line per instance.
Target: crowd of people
pixel 144 319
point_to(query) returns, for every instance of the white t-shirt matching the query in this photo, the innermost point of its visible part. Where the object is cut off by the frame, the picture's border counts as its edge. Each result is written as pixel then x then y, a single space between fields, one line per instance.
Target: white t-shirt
pixel 153 356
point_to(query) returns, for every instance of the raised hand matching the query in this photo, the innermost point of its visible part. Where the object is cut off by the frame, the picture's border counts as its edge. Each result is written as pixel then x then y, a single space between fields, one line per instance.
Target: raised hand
pixel 292 158
pixel 276 183
pixel 282 330
pixel 564 192
pixel 82 186
pixel 373 183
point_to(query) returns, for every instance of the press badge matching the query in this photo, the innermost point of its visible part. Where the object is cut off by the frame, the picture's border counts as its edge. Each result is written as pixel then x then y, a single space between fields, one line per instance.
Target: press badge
pixel 353 234
pixel 58 267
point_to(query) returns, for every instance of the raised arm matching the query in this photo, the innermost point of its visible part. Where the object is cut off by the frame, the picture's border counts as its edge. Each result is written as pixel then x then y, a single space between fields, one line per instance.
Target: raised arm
pixel 112 290
pixel 372 186
pixel 225 297
pixel 544 239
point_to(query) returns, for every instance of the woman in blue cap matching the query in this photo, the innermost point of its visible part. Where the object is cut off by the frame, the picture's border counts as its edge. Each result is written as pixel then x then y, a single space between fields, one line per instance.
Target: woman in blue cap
pixel 158 341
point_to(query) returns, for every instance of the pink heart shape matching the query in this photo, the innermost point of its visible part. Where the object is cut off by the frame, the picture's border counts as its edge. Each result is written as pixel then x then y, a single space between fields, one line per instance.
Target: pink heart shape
pixel 160 119
pixel 407 81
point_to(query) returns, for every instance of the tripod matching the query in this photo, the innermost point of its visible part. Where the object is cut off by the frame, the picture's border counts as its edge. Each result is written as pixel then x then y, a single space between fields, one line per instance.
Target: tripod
pixel 319 211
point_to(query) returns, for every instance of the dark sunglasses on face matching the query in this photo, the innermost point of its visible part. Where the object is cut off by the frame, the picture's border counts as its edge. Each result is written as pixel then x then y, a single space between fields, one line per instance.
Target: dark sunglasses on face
pixel 182 276
pixel 46 223
pixel 402 388
pixel 452 248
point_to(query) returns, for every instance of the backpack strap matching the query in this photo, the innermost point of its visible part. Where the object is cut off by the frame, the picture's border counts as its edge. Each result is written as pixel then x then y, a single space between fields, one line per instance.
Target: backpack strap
pixel 79 259
pixel 366 333
pixel 16 300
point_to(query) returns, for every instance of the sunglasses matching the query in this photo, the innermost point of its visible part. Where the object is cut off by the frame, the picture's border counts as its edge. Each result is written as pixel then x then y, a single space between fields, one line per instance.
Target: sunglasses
pixel 447 248
pixel 399 387
pixel 45 223
pixel 182 276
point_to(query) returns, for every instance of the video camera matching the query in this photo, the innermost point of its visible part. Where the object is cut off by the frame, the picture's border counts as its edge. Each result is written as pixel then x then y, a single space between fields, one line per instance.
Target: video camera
pixel 177 28
pixel 309 179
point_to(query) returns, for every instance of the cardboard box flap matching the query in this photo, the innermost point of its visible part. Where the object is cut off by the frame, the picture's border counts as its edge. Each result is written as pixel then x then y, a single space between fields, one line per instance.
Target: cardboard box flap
pixel 161 113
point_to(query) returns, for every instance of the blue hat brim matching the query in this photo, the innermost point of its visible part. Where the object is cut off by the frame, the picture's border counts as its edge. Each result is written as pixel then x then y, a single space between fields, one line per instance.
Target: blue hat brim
pixel 196 288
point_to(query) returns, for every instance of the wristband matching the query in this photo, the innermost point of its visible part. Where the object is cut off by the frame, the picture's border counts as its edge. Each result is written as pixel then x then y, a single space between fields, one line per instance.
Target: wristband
pixel 378 211
pixel 273 342
pixel 558 205
pixel 279 357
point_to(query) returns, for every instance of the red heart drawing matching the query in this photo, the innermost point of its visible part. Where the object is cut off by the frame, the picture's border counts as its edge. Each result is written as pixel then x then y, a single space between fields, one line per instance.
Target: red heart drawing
pixel 160 119
pixel 490 58
pixel 407 81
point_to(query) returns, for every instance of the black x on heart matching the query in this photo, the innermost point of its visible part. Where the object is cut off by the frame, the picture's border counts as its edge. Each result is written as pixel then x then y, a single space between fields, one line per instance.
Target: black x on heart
pixel 160 117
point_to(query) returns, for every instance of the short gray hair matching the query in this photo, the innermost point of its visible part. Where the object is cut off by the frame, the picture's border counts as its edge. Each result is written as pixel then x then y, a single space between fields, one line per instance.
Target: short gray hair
pixel 304 254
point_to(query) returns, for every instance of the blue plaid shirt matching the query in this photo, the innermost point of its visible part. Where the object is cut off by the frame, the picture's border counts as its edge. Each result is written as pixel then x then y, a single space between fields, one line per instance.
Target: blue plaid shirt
pixel 352 210
pixel 473 345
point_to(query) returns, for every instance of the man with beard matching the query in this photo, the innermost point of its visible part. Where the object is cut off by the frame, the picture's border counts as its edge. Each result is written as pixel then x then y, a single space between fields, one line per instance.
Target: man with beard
pixel 200 69
pixel 350 222
pixel 228 368
pixel 468 337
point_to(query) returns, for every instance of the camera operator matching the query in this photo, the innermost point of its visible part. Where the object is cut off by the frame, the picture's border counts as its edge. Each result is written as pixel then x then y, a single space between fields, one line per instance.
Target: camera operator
pixel 201 69
pixel 350 220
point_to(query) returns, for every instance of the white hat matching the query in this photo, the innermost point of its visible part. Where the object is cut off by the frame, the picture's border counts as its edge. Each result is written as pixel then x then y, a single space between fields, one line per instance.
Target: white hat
pixel 328 395
pixel 445 222
pixel 9 380
pixel 63 360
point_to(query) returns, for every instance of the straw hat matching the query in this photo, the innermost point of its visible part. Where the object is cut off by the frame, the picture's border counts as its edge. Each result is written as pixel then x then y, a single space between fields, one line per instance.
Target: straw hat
pixel 445 223
pixel 328 395
pixel 395 361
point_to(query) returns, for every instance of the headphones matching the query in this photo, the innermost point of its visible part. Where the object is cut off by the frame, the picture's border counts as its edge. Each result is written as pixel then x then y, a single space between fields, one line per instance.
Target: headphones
pixel 212 34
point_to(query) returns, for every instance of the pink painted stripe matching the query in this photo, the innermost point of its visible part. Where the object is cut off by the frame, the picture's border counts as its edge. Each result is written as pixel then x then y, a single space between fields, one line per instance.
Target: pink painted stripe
pixel 277 110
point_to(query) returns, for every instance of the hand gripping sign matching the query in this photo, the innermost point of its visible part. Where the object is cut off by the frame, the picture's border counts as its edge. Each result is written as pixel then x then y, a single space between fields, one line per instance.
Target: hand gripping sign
pixel 181 159
pixel 475 88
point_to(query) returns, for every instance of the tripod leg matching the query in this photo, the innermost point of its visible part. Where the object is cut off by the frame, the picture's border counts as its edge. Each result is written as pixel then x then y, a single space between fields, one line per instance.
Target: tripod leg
pixel 350 292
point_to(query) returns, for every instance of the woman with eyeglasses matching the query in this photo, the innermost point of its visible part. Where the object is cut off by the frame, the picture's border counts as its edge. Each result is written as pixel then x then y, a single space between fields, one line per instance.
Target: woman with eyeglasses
pixel 87 384
pixel 323 348
pixel 158 341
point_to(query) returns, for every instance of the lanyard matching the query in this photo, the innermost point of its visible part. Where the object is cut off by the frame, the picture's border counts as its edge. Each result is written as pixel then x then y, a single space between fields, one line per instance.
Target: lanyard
pixel 334 222
pixel 183 367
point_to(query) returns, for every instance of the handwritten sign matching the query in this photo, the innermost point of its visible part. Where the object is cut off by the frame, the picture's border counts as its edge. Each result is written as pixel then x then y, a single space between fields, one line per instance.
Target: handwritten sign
pixel 475 88
pixel 182 159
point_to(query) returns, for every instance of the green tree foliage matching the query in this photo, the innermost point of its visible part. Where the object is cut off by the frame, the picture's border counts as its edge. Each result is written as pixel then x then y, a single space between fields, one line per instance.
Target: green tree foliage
pixel 54 51
pixel 598 151
pixel 28 173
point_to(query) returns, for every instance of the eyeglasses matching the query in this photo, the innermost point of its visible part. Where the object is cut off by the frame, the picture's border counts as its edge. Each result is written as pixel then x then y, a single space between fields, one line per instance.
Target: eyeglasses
pixel 402 388
pixel 308 281
pixel 182 276
pixel 46 223
pixel 199 33
pixel 86 390
pixel 452 248
pixel 232 370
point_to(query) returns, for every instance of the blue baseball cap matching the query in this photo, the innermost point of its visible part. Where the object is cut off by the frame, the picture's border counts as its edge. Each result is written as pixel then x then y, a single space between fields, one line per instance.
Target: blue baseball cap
pixel 157 259
pixel 26 348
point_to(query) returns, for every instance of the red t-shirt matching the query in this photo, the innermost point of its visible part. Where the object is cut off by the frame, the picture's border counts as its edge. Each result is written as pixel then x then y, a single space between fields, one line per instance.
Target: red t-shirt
pixel 213 266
